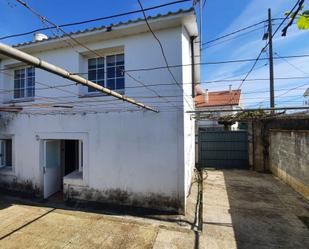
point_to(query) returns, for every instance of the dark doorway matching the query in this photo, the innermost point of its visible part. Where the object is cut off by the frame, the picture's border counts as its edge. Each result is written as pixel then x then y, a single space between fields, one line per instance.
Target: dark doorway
pixel 70 156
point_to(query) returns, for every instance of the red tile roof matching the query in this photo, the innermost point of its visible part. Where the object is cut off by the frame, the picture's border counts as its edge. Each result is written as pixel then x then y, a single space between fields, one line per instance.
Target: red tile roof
pixel 220 98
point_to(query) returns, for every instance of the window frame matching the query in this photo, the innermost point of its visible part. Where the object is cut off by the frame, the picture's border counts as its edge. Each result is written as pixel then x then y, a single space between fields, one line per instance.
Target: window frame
pixel 3 152
pixel 104 56
pixel 27 86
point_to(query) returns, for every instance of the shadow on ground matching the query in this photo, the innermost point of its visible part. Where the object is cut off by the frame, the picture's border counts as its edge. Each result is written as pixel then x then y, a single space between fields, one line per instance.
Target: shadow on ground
pixel 36 223
pixel 264 212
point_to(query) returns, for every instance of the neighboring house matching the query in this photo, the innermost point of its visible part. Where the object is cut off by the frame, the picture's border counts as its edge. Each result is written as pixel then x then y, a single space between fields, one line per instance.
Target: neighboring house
pixel 219 100
pixel 306 96
pixel 91 146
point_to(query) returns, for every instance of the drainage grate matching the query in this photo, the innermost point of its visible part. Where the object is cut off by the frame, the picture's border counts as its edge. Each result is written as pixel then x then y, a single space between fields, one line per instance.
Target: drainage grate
pixel 305 220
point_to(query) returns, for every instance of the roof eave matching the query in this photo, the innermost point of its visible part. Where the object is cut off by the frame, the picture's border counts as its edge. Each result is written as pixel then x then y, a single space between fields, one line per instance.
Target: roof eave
pixel 137 26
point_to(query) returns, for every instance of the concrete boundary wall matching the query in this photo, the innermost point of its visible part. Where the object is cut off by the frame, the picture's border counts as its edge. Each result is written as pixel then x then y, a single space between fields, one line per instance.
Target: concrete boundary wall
pixel 280 146
pixel 289 158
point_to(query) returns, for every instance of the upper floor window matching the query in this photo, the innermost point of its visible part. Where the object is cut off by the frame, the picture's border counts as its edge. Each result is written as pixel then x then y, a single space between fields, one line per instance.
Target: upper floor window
pixel 107 71
pixel 96 72
pixel 24 83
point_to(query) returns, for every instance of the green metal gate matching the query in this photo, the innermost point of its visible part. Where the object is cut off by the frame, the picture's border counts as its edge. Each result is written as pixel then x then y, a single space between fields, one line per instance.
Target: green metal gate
pixel 223 149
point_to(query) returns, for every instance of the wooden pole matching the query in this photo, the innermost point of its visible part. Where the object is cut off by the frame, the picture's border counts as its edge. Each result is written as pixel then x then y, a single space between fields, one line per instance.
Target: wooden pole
pixel 271 62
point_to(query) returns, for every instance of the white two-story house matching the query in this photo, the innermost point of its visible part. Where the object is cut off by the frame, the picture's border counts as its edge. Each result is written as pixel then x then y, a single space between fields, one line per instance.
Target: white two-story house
pixel 72 139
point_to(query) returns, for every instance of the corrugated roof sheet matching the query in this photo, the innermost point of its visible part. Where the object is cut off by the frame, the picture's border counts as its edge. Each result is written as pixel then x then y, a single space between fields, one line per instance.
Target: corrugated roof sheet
pixel 220 98
pixel 88 30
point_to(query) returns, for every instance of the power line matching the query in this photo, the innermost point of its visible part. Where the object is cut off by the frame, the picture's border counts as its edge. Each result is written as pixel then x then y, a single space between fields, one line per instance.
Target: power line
pixel 47 86
pixel 101 104
pixel 58 87
pixel 94 20
pixel 259 55
pixel 162 51
pixel 232 38
pixel 231 79
pixel 133 78
pixel 292 65
pixel 146 86
pixel 44 19
pixel 213 63
pixel 288 90
pixel 253 109
pixel 292 89
pixel 165 67
pixel 39 97
pixel 234 32
pixel 189 64
pixel 238 31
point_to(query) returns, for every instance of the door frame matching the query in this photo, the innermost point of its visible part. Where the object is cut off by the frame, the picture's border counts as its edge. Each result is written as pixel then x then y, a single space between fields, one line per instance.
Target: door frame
pixel 39 150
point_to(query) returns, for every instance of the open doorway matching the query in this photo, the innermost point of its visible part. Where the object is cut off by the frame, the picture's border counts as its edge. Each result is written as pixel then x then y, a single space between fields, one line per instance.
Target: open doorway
pixel 70 156
pixel 61 158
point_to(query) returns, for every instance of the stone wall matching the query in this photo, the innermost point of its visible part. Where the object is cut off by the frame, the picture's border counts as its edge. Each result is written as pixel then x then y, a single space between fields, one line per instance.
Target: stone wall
pixel 281 146
pixel 289 158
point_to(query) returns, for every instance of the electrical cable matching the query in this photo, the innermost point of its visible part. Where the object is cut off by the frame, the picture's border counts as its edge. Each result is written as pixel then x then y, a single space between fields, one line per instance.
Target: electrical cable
pixel 93 20
pixel 162 52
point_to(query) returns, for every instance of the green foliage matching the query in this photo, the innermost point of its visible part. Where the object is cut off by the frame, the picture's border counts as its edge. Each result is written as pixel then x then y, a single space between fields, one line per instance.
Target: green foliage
pixel 244 116
pixel 303 22
pixel 302 18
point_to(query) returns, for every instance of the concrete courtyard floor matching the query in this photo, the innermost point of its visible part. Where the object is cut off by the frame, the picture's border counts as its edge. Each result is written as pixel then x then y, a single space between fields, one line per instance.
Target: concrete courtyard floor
pixel 241 209
pixel 246 209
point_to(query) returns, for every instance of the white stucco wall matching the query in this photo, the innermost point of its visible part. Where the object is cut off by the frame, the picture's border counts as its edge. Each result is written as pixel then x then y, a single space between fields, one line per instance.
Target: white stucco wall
pixel 139 152
pixel 189 123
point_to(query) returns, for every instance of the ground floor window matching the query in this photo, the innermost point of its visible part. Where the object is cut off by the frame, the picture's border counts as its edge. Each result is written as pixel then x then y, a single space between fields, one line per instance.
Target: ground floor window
pixel 5 152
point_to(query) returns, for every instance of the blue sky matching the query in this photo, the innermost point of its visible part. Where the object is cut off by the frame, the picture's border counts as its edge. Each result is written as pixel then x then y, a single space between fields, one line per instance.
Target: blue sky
pixel 219 18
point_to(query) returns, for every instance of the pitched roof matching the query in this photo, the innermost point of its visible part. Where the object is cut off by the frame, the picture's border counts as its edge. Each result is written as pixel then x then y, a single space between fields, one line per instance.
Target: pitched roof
pixel 88 30
pixel 306 94
pixel 220 98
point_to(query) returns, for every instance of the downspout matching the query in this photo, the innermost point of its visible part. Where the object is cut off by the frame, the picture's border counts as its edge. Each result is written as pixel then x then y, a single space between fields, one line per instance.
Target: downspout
pixel 192 66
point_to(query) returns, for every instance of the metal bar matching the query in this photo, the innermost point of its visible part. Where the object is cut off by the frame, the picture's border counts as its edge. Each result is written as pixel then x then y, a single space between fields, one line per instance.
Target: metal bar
pixel 37 62
pixel 253 109
pixel 10 109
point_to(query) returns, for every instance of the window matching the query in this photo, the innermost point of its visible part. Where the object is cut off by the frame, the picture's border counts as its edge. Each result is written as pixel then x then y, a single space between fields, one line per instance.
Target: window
pixel 115 72
pixel 107 71
pixel 24 83
pixel 5 152
pixel 96 72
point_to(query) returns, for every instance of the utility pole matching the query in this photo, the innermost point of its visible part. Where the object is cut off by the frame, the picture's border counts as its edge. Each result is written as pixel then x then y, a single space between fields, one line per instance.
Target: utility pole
pixel 201 28
pixel 271 62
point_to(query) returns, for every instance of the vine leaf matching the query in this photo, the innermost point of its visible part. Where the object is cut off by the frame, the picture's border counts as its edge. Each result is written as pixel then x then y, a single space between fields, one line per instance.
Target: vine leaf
pixel 303 21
